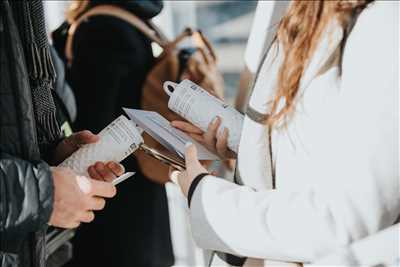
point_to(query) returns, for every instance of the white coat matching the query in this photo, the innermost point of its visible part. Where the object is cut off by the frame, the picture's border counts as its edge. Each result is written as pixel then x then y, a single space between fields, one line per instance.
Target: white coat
pixel 336 162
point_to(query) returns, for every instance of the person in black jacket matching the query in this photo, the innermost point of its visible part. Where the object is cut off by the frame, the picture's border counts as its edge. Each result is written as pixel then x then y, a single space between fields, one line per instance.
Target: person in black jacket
pixel 111 60
pixel 34 195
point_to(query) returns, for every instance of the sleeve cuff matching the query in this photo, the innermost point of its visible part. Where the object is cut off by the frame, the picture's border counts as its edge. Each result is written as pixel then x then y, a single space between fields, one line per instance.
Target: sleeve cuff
pixel 46 193
pixel 193 186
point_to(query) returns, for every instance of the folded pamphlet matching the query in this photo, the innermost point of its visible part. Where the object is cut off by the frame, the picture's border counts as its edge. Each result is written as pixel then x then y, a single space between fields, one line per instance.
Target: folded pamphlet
pixel 161 130
pixel 199 107
pixel 117 141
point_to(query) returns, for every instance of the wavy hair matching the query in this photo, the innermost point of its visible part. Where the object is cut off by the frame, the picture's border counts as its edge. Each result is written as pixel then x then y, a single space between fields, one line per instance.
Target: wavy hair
pixel 298 35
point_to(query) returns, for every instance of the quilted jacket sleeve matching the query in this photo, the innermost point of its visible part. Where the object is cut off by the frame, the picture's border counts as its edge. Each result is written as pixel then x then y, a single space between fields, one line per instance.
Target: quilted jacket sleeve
pixel 26 199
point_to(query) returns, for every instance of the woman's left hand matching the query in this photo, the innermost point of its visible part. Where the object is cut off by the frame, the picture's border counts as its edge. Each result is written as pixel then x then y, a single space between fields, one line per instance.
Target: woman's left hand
pixel 193 168
pixel 214 142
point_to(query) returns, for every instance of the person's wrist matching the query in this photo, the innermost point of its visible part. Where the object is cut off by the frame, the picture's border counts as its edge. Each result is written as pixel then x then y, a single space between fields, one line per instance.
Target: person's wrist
pixel 193 185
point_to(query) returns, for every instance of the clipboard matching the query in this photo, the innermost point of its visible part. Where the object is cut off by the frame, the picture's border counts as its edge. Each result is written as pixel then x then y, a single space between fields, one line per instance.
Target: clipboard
pixel 166 159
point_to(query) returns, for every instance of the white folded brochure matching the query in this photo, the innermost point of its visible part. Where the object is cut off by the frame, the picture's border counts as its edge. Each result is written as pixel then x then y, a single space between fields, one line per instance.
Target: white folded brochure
pixel 161 130
pixel 199 107
pixel 117 141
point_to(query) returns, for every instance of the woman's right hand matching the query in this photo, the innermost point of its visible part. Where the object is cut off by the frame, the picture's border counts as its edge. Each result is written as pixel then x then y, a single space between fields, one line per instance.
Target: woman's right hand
pixel 214 142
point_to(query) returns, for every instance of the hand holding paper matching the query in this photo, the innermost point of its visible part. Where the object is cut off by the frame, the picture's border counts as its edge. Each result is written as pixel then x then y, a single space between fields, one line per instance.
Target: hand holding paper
pixel 200 108
pixel 117 141
pixel 161 130
pixel 211 139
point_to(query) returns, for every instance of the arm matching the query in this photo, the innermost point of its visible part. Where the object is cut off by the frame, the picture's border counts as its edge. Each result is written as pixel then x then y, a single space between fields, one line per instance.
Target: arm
pixel 368 251
pixel 358 194
pixel 26 199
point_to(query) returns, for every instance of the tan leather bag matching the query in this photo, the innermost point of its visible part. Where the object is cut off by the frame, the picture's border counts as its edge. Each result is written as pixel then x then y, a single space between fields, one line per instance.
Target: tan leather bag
pixel 200 66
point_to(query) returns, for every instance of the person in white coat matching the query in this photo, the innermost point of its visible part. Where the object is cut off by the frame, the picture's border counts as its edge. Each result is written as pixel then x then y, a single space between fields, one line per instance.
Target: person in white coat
pixel 318 164
pixel 380 249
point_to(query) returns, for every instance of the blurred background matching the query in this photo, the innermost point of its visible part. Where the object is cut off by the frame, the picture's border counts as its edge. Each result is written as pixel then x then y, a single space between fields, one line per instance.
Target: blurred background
pixel 226 23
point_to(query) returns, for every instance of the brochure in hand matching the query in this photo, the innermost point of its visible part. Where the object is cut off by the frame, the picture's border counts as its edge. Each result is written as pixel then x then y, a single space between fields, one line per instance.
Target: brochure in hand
pixel 199 107
pixel 117 141
pixel 161 130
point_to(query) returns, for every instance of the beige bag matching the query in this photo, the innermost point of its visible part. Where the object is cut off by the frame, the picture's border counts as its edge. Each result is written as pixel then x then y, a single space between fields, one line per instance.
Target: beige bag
pixel 173 64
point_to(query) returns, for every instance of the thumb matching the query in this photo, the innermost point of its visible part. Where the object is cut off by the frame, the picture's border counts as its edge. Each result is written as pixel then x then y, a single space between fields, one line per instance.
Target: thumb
pixel 191 159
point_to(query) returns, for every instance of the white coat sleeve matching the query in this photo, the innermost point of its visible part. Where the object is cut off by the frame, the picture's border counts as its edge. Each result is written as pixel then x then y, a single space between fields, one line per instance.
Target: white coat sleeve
pixel 360 196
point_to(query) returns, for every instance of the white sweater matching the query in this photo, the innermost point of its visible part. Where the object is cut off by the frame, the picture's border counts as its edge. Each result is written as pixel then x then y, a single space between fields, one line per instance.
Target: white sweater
pixel 337 165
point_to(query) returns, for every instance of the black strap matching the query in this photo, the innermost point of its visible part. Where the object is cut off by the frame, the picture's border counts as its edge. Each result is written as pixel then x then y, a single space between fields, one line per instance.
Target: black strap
pixel 194 184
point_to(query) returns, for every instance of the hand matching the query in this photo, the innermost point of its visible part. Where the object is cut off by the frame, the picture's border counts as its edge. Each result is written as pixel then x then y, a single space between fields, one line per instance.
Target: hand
pixel 229 164
pixel 99 171
pixel 76 197
pixel 72 143
pixel 214 142
pixel 106 172
pixel 193 168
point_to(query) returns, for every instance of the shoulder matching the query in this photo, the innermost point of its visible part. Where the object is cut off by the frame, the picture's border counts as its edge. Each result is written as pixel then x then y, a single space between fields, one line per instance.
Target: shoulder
pixel 109 31
pixel 372 46
pixel 380 9
pixel 376 26
pixel 369 86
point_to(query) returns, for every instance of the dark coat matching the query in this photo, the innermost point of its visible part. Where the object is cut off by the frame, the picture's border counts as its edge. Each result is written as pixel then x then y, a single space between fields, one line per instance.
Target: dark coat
pixel 111 62
pixel 26 186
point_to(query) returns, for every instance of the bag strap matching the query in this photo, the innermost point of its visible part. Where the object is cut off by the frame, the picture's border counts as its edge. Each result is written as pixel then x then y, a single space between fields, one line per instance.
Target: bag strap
pixel 114 11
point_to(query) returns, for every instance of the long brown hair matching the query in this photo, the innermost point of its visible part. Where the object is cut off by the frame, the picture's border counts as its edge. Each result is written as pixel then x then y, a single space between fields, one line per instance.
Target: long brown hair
pixel 298 35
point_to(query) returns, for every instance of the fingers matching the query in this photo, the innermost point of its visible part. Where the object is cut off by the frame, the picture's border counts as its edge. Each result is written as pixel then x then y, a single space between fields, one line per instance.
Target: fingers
pixel 84 137
pixel 191 160
pixel 70 225
pixel 106 172
pixel 94 174
pixel 210 135
pixel 87 217
pixel 222 143
pixel 186 127
pixel 95 203
pixel 116 168
pixel 197 137
pixel 182 181
pixel 103 189
pixel 230 164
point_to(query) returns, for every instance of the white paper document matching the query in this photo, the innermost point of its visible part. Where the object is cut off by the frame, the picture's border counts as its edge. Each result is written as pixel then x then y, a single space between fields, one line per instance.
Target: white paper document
pixel 161 130
pixel 116 142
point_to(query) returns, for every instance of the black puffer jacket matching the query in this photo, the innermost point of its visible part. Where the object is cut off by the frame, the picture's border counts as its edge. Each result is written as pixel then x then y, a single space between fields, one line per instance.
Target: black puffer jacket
pixel 26 187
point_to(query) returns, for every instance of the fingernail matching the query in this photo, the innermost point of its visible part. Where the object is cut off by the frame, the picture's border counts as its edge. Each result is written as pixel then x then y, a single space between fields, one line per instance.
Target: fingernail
pixel 84 184
pixel 188 144
pixel 214 121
